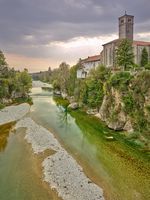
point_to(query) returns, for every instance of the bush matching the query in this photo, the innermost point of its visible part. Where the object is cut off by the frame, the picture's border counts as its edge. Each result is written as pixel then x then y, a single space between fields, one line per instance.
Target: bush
pixel 128 102
pixel 147 66
pixel 120 80
pixel 1 106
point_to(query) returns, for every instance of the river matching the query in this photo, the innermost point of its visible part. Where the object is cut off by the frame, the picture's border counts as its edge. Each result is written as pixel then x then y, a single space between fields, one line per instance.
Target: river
pixel 113 166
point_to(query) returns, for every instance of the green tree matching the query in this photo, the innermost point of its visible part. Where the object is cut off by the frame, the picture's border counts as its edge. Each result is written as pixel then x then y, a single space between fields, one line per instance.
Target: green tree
pixel 3 66
pixel 72 80
pixel 144 57
pixel 2 59
pixel 95 82
pixel 24 82
pixel 63 76
pixel 124 54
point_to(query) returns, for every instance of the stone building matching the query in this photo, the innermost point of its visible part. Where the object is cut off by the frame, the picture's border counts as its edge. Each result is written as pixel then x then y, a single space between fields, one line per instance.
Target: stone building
pixel 87 64
pixel 126 30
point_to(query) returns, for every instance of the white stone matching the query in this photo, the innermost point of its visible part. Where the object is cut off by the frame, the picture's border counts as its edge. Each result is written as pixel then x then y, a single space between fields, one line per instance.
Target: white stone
pixel 13 113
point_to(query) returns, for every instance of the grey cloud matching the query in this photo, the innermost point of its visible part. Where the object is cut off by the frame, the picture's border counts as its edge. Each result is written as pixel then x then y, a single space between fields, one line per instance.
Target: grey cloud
pixel 55 20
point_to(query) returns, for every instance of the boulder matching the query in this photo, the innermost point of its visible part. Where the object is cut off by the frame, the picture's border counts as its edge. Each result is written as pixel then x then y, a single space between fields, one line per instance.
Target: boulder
pixel 116 125
pixel 128 126
pixel 6 101
pixel 92 112
pixel 57 93
pixel 73 106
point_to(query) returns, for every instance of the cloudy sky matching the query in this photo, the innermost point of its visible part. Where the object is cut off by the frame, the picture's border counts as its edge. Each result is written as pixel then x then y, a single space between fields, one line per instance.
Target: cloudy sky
pixel 40 33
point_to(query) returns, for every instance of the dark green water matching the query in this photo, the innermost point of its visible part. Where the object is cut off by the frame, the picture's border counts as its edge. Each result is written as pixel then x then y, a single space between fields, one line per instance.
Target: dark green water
pixel 121 173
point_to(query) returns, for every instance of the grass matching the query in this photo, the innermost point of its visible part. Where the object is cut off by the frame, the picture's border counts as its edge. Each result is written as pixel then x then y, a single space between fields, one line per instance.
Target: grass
pixel 61 101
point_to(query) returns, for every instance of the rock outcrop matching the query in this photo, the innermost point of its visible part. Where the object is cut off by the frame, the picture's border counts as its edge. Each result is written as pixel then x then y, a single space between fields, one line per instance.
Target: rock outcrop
pixel 73 106
pixel 112 113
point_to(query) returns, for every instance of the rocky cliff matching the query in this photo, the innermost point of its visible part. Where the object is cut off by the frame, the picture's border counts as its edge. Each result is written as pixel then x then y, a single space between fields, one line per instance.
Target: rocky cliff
pixel 126 103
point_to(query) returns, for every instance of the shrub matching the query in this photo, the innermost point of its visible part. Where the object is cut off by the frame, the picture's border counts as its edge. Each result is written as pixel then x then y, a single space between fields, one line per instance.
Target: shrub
pixel 128 102
pixel 120 80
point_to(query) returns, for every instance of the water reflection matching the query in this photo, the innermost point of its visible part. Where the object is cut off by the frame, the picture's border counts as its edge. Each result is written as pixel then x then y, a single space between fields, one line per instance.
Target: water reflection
pixel 5 131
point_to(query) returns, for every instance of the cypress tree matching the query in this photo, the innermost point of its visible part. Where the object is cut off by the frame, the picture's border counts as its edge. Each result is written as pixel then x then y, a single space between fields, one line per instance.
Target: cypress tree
pixel 124 54
pixel 144 57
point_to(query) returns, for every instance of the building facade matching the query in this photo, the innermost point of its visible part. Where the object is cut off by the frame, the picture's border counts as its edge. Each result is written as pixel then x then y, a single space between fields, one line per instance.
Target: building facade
pixel 126 31
pixel 87 64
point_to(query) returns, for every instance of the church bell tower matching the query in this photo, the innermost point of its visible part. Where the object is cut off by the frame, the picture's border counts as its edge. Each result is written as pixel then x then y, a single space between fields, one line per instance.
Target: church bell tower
pixel 126 23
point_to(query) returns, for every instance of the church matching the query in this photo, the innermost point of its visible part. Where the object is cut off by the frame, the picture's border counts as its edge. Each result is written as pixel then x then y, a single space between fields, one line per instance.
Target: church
pixel 107 56
pixel 126 31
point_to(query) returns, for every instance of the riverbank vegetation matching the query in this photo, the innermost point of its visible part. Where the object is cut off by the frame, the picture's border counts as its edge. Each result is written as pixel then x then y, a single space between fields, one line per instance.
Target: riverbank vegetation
pixel 14 85
pixel 122 103
pixel 119 98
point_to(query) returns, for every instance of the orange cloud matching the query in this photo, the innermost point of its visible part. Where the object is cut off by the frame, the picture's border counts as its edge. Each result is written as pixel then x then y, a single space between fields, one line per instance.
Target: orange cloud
pixel 19 62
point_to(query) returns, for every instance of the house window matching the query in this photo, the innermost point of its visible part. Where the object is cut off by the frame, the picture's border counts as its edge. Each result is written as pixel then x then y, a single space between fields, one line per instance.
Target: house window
pixel 122 21
pixel 129 20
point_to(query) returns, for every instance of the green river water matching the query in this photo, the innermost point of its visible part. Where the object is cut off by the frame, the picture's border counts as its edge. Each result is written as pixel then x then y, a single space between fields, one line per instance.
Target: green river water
pixel 123 174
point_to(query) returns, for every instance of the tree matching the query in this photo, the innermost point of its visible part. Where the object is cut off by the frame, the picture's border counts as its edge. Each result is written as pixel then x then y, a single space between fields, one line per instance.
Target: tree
pixel 95 82
pixel 3 65
pixel 144 57
pixel 124 54
pixel 2 59
pixel 63 76
pixel 25 82
pixel 13 83
pixel 72 80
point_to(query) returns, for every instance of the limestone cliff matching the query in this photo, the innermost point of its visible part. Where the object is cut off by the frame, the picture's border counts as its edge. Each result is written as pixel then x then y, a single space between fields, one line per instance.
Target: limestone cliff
pixel 126 103
pixel 112 112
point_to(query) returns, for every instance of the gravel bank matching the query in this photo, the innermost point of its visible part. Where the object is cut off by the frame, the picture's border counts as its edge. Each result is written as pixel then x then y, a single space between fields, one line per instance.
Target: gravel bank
pixel 39 137
pixel 13 113
pixel 60 170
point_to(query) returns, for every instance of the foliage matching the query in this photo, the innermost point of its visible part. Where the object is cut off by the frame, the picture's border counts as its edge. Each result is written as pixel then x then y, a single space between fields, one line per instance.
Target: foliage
pixel 60 77
pixel 128 102
pixel 2 59
pixel 124 54
pixel 144 57
pixel 13 83
pixel 63 76
pixel 147 66
pixel 1 106
pixel 94 92
pixel 56 85
pixel 23 100
pixel 141 83
pixel 120 80
pixel 72 80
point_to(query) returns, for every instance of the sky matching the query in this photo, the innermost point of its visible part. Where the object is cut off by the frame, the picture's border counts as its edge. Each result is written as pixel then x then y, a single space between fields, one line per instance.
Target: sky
pixel 38 34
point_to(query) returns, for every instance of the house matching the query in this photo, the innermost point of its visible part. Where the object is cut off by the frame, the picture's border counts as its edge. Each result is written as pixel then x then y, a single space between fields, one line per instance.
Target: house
pixel 87 64
pixel 126 27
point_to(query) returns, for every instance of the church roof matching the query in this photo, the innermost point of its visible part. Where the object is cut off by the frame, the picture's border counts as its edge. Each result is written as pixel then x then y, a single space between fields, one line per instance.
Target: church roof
pixel 141 43
pixel 126 15
pixel 136 43
pixel 113 41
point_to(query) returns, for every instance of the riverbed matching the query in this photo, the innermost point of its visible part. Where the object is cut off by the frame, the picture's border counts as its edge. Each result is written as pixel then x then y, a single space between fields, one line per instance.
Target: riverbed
pixel 109 164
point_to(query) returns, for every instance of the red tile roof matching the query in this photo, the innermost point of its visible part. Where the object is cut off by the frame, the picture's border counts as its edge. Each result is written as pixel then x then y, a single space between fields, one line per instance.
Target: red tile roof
pixel 91 59
pixel 141 43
